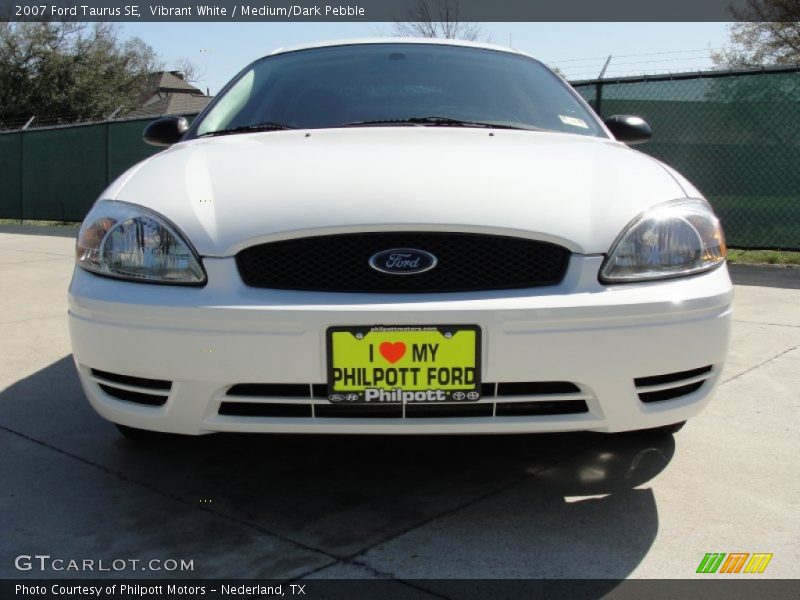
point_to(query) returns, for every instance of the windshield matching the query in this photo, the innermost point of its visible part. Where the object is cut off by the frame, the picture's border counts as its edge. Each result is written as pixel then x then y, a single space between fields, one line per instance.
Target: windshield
pixel 394 84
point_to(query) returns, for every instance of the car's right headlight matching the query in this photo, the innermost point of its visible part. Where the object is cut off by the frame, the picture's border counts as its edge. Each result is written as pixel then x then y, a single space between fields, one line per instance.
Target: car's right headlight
pixel 674 239
pixel 126 241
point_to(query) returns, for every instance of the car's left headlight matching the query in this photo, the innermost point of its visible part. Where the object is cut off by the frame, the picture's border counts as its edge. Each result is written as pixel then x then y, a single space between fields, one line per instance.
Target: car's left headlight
pixel 674 239
pixel 131 242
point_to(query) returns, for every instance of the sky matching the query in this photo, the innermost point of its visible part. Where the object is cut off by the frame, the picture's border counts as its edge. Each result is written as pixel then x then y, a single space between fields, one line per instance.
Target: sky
pixel 220 50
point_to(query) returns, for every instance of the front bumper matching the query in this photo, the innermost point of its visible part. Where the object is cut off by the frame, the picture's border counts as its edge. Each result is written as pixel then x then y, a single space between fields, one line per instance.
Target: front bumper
pixel 206 340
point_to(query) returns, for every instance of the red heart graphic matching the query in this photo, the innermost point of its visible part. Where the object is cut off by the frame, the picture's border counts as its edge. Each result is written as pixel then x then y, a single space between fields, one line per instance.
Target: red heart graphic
pixel 392 351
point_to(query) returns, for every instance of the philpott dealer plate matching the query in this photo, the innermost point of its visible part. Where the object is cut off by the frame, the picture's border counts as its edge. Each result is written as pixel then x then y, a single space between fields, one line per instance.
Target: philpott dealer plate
pixel 386 364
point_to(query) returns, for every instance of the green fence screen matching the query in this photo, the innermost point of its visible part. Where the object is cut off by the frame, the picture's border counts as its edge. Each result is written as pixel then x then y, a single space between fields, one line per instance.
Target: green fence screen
pixel 736 136
pixel 56 174
pixel 10 176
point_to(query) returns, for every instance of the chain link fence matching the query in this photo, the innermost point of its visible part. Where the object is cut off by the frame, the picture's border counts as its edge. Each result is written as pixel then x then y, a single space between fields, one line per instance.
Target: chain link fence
pixel 734 134
pixel 45 121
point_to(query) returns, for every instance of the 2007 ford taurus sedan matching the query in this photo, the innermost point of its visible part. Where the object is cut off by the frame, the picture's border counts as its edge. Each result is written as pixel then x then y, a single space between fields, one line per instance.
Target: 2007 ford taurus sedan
pixel 399 236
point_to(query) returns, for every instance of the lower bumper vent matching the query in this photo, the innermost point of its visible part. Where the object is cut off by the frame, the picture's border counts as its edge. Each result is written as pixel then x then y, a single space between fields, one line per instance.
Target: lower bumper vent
pixel 513 399
pixel 138 390
pixel 658 388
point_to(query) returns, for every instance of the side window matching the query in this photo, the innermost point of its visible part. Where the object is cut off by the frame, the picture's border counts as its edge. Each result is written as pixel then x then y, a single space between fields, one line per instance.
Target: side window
pixel 229 106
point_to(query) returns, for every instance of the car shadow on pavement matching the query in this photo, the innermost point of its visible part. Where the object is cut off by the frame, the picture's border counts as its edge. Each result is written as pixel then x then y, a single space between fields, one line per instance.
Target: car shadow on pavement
pixel 530 506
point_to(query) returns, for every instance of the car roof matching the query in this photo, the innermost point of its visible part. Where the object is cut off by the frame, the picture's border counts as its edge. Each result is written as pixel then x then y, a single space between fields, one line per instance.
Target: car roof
pixel 398 40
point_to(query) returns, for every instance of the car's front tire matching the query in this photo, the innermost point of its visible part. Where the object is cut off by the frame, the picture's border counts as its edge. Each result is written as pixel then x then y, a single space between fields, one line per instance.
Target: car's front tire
pixel 143 435
pixel 663 430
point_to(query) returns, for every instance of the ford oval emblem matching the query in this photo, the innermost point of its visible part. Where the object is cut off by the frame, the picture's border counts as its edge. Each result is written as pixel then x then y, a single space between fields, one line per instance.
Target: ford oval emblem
pixel 403 261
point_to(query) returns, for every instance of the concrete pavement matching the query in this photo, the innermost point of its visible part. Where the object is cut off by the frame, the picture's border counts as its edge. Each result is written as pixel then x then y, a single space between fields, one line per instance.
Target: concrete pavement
pixel 572 505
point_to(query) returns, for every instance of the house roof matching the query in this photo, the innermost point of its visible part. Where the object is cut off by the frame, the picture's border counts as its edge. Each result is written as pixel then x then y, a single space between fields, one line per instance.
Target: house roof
pixel 172 104
pixel 172 81
pixel 168 93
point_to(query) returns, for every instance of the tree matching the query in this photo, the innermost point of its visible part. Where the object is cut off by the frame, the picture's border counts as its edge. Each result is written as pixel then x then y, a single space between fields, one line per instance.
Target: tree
pixel 190 71
pixel 70 71
pixel 771 37
pixel 438 19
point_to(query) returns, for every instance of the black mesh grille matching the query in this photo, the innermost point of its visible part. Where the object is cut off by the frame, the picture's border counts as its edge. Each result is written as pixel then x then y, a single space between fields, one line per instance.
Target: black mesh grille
pixel 466 262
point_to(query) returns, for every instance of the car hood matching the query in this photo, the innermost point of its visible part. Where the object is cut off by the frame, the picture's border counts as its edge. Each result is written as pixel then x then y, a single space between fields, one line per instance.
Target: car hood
pixel 226 193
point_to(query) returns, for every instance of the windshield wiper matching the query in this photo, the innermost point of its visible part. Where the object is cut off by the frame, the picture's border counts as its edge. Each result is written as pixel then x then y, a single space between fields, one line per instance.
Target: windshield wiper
pixel 436 122
pixel 378 122
pixel 265 126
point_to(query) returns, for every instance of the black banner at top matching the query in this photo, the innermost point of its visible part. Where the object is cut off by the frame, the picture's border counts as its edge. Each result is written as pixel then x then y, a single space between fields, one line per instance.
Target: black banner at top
pixel 370 10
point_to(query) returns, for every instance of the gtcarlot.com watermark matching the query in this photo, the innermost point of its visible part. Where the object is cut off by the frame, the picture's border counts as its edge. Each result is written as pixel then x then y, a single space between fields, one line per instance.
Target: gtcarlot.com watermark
pixel 48 563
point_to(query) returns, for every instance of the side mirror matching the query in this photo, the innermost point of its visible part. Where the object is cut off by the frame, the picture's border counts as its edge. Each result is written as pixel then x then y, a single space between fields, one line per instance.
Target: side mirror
pixel 165 131
pixel 629 129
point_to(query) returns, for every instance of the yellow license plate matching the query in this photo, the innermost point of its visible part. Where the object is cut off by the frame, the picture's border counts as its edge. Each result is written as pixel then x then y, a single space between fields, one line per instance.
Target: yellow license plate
pixel 384 364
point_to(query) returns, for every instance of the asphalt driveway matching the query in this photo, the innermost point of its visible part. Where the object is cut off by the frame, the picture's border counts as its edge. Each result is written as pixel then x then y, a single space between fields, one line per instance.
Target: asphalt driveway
pixel 567 506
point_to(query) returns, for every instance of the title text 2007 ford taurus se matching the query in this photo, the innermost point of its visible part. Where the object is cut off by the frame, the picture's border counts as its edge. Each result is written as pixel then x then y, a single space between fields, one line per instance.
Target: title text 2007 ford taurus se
pixel 399 236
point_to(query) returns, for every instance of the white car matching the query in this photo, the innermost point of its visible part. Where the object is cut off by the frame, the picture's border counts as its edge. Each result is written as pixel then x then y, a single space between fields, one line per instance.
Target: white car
pixel 399 236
